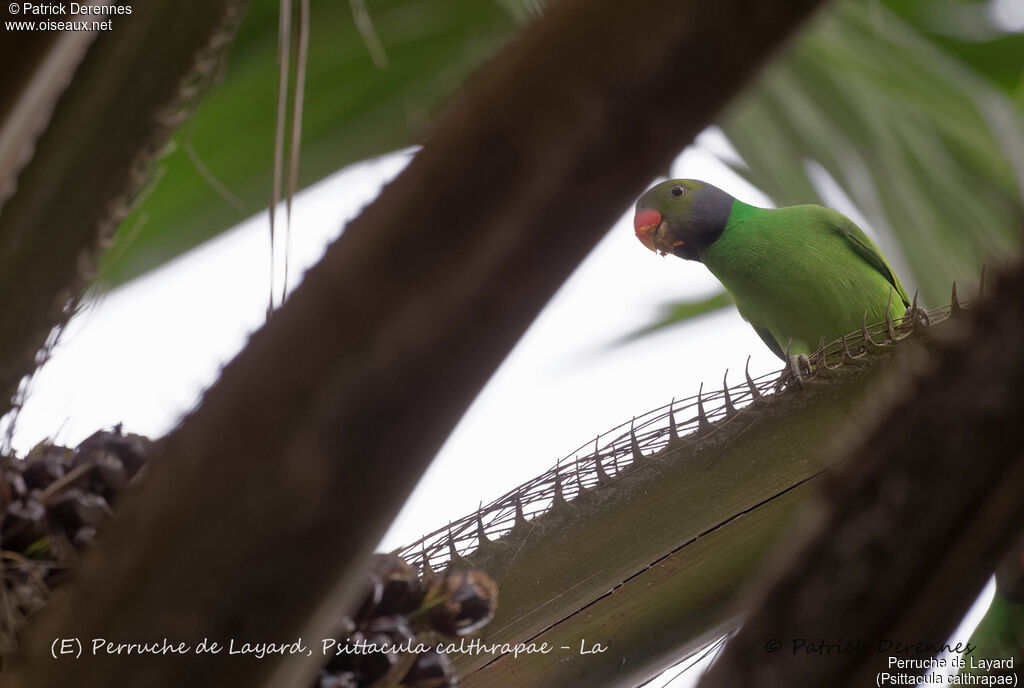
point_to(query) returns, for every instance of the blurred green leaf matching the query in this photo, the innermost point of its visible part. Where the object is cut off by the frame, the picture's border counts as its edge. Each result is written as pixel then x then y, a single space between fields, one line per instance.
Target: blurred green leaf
pixel 921 144
pixel 968 31
pixel 353 111
pixel 681 311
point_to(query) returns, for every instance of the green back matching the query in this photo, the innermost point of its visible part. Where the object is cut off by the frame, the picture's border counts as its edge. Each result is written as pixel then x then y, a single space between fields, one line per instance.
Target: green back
pixel 801 272
pixel 867 250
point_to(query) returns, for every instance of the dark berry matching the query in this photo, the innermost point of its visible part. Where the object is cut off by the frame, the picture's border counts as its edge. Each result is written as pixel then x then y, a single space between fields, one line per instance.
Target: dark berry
pixel 467 602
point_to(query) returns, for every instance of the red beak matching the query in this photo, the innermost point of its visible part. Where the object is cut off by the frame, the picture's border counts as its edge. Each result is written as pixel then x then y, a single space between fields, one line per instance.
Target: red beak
pixel 645 223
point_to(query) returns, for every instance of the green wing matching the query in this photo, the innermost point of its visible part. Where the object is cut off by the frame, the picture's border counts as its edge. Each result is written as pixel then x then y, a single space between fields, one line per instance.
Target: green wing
pixel 866 249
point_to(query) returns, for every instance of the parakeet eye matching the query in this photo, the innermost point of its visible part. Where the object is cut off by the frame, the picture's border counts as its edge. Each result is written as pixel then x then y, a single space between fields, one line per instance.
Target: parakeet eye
pixel 678 191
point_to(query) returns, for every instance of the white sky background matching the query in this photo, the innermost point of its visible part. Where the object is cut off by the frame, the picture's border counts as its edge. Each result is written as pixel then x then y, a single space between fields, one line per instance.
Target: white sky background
pixel 142 353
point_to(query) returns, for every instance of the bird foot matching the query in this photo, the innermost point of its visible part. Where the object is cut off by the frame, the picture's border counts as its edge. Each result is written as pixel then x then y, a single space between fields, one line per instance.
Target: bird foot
pixel 799 364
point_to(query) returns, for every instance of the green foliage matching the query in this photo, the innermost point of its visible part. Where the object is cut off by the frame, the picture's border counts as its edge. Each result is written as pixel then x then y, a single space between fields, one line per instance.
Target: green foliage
pixel 966 31
pixel 681 311
pixel 353 111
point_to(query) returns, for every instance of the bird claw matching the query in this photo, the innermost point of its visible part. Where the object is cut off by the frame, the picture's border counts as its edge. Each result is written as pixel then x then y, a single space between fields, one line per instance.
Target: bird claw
pixel 798 368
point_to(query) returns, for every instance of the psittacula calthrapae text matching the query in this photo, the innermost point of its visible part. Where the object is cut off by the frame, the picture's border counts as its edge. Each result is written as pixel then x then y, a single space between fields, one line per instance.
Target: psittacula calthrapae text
pixel 797 274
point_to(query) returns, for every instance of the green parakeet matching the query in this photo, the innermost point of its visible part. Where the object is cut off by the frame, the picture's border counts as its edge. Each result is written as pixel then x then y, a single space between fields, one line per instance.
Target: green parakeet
pixel 797 273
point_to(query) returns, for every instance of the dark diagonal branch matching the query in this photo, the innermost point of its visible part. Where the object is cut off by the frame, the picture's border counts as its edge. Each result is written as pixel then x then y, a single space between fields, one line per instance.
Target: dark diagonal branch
pixel 131 91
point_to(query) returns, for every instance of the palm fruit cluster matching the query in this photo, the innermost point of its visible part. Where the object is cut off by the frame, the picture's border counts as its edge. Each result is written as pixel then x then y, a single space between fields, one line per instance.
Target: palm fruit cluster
pixel 402 608
pixel 53 502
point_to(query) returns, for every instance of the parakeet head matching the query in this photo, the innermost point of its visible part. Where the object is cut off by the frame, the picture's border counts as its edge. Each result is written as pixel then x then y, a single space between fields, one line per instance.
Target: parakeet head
pixel 681 216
